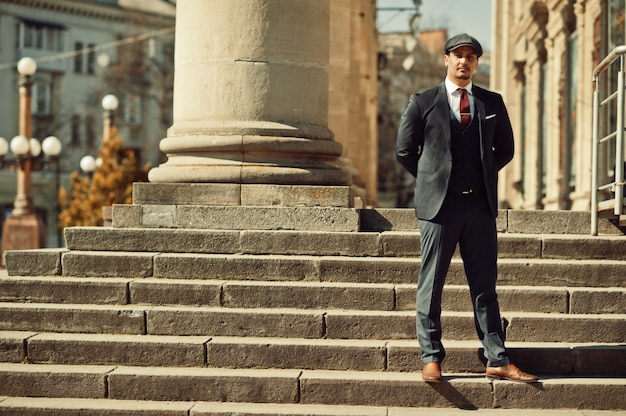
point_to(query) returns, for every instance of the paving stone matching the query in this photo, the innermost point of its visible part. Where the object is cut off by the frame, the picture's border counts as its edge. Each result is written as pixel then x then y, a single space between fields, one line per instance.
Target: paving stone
pixel 293 353
pixel 134 350
pixel 71 318
pixel 313 243
pixel 152 240
pixel 305 295
pixel 42 262
pixel 574 247
pixel 175 292
pixel 13 346
pixel 234 322
pixel 573 393
pixel 107 264
pixel 53 380
pixel 393 389
pixel 598 300
pixel 244 267
pixel 195 384
pixel 511 298
pixel 43 406
pixel 42 289
pixel 608 328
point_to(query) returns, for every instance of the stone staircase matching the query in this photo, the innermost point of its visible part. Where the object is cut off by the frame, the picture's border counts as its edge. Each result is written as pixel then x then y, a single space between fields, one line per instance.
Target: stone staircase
pixel 203 310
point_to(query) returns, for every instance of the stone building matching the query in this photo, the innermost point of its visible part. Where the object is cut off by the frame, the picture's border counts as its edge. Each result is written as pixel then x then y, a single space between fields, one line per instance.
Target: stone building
pixel 543 57
pixel 353 95
pixel 408 63
pixel 85 49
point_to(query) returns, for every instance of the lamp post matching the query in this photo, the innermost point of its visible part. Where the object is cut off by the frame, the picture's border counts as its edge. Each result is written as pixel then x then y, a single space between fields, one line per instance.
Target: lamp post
pixel 88 164
pixel 109 104
pixel 23 200
pixel 23 229
pixel 51 147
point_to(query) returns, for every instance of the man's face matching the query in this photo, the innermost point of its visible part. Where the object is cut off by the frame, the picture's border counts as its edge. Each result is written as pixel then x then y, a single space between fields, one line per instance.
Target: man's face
pixel 461 63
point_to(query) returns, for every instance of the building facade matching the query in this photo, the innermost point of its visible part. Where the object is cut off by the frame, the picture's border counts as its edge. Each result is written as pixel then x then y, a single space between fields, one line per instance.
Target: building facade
pixel 85 49
pixel 408 63
pixel 543 56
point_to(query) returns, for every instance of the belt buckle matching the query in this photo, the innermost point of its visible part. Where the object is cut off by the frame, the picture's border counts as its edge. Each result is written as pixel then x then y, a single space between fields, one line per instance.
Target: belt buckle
pixel 467 191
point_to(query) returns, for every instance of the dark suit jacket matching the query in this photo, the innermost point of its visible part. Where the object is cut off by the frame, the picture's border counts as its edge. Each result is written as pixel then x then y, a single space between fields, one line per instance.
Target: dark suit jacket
pixel 424 140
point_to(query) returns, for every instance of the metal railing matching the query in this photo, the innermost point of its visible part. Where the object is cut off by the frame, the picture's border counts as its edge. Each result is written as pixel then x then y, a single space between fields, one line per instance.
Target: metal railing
pixel 616 135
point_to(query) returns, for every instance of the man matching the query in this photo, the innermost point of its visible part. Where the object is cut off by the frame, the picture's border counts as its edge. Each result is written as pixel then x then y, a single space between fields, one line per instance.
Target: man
pixel 454 141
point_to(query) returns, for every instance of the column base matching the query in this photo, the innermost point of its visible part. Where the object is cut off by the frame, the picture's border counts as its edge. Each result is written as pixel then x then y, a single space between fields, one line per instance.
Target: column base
pixel 250 160
pixel 22 232
pixel 230 194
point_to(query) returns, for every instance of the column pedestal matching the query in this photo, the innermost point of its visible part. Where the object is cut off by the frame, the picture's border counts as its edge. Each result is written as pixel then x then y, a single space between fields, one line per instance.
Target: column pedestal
pixel 22 232
pixel 251 95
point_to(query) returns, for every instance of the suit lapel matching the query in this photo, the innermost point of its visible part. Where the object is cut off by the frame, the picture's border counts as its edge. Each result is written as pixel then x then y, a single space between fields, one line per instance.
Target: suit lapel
pixel 443 108
pixel 481 112
pixel 479 104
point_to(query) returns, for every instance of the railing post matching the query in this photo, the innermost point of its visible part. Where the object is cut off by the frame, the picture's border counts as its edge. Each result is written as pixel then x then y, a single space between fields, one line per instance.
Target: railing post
pixel 594 160
pixel 619 142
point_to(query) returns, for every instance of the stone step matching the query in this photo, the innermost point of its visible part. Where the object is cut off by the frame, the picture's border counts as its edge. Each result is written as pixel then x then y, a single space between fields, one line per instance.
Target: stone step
pixel 300 218
pixel 268 216
pixel 581 359
pixel 508 221
pixel 533 272
pixel 42 406
pixel 388 243
pixel 539 272
pixel 296 323
pixel 302 295
pixel 343 388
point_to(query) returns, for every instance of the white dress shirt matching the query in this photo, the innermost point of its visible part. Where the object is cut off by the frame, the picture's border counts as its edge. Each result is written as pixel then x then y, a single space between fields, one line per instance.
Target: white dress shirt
pixel 454 98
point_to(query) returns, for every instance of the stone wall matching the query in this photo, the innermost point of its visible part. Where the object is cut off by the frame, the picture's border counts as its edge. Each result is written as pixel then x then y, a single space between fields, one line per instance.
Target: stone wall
pixel 544 54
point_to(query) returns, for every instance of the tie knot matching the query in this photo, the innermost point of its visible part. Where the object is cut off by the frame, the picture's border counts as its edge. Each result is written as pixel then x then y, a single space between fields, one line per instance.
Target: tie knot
pixel 462 90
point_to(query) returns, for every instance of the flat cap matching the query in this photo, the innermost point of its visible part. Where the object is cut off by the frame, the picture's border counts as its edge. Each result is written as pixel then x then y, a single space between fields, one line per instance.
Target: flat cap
pixel 463 40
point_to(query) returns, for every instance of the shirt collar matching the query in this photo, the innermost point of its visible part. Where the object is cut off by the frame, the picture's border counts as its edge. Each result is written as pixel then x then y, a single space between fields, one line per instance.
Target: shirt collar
pixel 452 87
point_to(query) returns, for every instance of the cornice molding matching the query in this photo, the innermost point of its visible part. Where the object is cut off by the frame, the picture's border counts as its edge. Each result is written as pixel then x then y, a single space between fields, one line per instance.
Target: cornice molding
pixel 95 11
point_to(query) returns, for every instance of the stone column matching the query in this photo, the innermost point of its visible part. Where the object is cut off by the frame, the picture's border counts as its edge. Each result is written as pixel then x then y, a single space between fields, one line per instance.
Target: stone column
pixel 535 58
pixel 556 108
pixel 251 95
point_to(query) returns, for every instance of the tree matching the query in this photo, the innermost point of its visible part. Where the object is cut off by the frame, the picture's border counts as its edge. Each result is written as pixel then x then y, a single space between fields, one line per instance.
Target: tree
pixel 110 184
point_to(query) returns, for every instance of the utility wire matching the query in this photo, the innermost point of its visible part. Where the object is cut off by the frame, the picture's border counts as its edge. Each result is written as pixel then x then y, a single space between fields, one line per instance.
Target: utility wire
pixel 70 54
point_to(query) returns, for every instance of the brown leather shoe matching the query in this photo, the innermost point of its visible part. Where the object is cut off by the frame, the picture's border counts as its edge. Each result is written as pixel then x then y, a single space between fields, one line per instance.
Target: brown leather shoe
pixel 510 372
pixel 432 373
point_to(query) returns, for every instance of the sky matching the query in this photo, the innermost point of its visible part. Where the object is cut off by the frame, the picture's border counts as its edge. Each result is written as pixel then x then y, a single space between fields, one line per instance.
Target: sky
pixel 457 16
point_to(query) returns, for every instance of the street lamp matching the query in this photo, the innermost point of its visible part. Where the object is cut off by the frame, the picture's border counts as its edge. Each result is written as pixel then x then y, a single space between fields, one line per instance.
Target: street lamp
pixel 22 150
pixel 109 104
pixel 23 229
pixel 88 164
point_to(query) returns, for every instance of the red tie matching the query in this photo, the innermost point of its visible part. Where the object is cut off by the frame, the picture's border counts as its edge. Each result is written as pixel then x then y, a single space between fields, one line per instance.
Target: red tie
pixel 466 115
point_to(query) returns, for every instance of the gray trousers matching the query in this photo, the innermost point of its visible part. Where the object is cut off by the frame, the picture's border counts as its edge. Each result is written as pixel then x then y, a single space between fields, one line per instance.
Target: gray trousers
pixel 466 220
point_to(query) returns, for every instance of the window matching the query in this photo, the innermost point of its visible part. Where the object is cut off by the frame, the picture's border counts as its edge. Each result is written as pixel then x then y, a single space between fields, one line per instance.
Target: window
pixel 132 109
pixel 572 98
pixel 616 23
pixel 40 101
pixel 91 59
pixel 543 132
pixel 75 139
pixel 616 36
pixel 54 41
pixel 78 58
pixel 90 128
pixel 39 36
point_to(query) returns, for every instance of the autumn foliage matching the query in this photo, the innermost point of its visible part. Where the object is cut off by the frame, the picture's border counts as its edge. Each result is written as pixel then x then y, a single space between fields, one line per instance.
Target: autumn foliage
pixel 110 184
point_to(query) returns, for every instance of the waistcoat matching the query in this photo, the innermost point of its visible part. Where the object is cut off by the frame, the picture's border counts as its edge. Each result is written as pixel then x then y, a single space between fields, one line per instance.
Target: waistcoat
pixel 467 168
